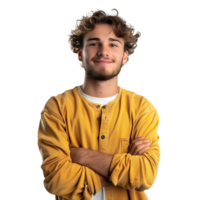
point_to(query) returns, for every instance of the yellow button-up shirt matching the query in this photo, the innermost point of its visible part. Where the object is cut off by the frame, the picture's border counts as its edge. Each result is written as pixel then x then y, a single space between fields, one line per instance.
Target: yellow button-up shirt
pixel 70 120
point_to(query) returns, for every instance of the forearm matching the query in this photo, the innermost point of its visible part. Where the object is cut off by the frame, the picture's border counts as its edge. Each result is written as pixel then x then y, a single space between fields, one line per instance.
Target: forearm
pixel 97 161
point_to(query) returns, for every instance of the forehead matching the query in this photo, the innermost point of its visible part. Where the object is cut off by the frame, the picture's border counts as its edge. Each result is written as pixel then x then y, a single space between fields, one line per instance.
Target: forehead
pixel 101 31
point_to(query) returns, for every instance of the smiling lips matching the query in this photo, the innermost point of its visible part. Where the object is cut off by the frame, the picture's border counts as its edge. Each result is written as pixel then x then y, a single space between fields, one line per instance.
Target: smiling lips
pixel 103 62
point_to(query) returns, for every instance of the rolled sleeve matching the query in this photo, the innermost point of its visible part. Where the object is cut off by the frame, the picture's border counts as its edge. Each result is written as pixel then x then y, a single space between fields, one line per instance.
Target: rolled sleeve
pixel 140 172
pixel 61 177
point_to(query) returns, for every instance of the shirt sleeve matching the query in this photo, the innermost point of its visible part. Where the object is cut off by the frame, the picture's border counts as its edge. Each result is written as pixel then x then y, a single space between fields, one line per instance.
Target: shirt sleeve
pixel 61 176
pixel 139 171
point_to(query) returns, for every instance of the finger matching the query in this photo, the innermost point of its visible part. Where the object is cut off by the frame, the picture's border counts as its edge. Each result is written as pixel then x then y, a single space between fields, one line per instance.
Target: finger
pixel 137 148
pixel 139 141
pixel 142 151
pixel 140 148
pixel 135 142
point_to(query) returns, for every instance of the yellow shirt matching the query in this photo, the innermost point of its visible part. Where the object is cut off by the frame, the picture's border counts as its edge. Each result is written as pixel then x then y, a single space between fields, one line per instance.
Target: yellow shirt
pixel 70 120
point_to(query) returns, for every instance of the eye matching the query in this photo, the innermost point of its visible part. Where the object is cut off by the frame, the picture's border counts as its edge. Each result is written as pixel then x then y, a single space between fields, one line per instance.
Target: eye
pixel 96 43
pixel 114 44
pixel 93 44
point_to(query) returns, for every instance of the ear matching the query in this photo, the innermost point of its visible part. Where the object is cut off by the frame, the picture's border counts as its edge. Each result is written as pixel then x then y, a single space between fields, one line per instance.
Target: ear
pixel 125 57
pixel 79 52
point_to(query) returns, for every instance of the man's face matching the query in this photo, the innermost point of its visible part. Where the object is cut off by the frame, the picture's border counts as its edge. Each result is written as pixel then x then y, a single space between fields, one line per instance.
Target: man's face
pixel 103 53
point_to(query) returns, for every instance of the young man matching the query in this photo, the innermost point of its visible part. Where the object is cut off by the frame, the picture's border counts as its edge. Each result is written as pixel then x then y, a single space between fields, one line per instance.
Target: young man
pixel 98 140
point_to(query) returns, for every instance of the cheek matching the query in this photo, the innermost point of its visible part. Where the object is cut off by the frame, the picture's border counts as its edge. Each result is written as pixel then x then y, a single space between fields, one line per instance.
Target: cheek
pixel 118 55
pixel 89 54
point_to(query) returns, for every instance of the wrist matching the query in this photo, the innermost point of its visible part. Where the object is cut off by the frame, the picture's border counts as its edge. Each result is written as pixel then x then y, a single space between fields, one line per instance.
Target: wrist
pixel 81 154
pixel 102 181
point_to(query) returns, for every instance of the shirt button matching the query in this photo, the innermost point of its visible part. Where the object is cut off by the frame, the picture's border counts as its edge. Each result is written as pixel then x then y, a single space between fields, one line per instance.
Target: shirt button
pixel 98 106
pixel 98 118
pixel 102 137
pixel 104 107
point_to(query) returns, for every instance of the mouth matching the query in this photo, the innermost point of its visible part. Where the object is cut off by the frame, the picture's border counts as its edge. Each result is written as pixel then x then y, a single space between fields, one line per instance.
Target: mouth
pixel 103 62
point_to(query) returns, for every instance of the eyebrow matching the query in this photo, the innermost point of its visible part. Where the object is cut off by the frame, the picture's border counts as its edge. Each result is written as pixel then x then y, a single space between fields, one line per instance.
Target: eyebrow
pixel 110 39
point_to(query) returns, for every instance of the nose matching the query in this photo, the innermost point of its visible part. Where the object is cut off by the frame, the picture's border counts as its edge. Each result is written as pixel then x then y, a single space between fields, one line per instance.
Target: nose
pixel 103 51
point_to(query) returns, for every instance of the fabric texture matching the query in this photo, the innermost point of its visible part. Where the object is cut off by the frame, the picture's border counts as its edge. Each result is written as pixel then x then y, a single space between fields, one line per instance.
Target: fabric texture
pixel 70 120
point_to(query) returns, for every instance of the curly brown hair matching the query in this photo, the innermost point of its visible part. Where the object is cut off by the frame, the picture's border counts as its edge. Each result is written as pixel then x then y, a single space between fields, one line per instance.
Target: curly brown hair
pixel 119 26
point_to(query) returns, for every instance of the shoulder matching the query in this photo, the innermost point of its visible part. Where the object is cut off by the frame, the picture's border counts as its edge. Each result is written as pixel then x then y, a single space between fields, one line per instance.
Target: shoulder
pixel 139 100
pixel 53 107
